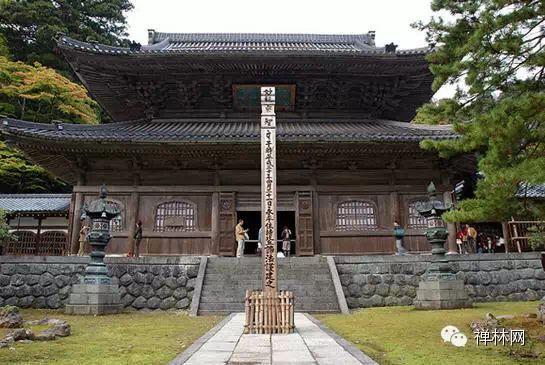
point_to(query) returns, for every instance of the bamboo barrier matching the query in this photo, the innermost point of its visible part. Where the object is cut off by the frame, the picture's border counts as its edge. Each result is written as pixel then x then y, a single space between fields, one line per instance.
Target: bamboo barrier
pixel 519 232
pixel 269 312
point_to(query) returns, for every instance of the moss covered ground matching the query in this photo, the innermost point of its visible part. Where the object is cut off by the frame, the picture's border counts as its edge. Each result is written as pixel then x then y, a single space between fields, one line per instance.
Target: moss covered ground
pixel 405 336
pixel 131 338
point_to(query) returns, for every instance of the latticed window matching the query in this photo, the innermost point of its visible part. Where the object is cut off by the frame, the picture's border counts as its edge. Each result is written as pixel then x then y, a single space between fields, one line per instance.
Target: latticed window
pixel 175 216
pixel 356 216
pixel 52 243
pixel 117 224
pixel 415 220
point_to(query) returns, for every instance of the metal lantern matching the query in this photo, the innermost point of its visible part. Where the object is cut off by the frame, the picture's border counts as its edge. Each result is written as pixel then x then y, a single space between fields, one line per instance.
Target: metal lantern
pixel 437 234
pixel 100 211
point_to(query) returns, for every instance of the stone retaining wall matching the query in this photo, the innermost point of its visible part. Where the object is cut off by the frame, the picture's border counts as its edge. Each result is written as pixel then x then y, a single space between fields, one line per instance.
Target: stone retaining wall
pixel 372 281
pixel 145 283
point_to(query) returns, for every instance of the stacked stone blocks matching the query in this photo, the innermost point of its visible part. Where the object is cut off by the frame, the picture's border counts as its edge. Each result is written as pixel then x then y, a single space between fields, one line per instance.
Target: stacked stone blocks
pixel 373 281
pixel 155 283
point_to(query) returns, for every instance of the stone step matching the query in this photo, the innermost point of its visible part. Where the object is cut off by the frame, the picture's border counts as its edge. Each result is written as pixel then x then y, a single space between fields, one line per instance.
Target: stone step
pixel 227 279
pixel 306 290
pixel 301 278
pixel 239 306
pixel 288 269
pixel 310 302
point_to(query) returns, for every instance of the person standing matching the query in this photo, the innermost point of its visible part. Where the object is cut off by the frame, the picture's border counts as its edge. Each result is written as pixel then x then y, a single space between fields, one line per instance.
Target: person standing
pixel 137 238
pixel 471 238
pixel 465 243
pixel 240 235
pixel 259 241
pixel 399 233
pixel 83 236
pixel 286 241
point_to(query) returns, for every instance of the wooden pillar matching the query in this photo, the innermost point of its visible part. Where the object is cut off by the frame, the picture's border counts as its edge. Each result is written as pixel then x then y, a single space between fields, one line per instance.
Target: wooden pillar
pixel 132 217
pixel 38 238
pixel 395 214
pixel 452 248
pixel 506 236
pixel 316 222
pixel 75 223
pixel 214 249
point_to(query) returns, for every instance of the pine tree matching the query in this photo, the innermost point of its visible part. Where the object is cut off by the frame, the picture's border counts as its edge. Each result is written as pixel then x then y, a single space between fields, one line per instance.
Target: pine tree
pixel 495 51
pixel 29 26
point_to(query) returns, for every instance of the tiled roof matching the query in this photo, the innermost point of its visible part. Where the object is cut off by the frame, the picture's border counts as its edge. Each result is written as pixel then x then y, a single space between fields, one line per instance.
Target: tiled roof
pixel 252 43
pixel 230 131
pixel 35 202
pixel 531 191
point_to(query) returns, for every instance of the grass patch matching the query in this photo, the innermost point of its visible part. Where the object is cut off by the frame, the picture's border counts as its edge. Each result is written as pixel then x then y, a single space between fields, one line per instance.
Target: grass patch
pixel 128 338
pixel 405 336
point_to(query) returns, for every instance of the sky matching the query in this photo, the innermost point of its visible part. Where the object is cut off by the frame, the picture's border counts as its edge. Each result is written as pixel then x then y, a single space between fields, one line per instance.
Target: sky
pixel 390 19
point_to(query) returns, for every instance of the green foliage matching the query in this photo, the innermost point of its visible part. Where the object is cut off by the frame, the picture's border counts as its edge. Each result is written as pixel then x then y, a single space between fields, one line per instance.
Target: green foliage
pixel 495 50
pixel 39 94
pixel 536 237
pixel 5 235
pixel 18 175
pixel 30 25
pixel 4 50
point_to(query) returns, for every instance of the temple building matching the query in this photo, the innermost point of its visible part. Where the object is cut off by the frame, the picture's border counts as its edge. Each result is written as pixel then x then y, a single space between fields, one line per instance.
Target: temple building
pixel 183 152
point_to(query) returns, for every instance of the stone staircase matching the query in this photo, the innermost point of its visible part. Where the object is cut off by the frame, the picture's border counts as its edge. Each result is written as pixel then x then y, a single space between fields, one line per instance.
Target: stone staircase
pixel 226 280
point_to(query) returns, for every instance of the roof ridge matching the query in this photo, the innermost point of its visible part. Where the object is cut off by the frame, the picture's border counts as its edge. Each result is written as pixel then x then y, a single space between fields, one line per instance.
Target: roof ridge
pixel 353 45
pixel 262 36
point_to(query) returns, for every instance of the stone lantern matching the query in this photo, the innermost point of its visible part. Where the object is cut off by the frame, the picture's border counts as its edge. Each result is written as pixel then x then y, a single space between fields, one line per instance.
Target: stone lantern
pixel 101 212
pixel 437 235
pixel 96 294
pixel 439 288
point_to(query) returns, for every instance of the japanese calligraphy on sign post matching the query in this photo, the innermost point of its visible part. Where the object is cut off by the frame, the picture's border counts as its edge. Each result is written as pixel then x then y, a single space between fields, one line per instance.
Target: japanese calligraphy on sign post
pixel 268 188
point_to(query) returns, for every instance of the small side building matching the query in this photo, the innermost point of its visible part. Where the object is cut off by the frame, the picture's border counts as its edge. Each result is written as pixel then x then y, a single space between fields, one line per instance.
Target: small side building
pixel 39 221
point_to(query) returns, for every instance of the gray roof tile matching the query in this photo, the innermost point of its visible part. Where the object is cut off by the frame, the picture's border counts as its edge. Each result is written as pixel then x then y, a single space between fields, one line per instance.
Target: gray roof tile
pixel 229 131
pixel 251 43
pixel 35 202
pixel 531 191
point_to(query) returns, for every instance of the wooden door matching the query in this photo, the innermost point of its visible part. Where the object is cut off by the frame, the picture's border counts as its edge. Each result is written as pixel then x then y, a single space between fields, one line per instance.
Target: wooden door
pixel 227 224
pixel 304 246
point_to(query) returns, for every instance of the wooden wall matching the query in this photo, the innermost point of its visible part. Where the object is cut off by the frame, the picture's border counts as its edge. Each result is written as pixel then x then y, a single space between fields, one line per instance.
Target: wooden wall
pixel 197 242
pixel 310 187
pixel 377 241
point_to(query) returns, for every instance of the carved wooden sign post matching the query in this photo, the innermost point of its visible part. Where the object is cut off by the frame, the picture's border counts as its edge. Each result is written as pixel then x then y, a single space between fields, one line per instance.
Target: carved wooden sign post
pixel 269 310
pixel 268 188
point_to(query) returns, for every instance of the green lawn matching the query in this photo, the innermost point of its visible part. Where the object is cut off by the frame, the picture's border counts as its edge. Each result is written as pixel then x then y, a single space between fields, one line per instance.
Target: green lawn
pixel 404 336
pixel 132 338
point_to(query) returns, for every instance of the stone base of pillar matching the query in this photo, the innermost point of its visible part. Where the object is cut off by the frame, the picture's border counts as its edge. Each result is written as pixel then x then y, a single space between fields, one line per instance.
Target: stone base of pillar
pixel 441 294
pixel 94 299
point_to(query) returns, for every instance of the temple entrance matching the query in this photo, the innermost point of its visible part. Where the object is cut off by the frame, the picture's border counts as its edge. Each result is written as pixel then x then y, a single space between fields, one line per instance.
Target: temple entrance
pixel 252 221
pixel 286 218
